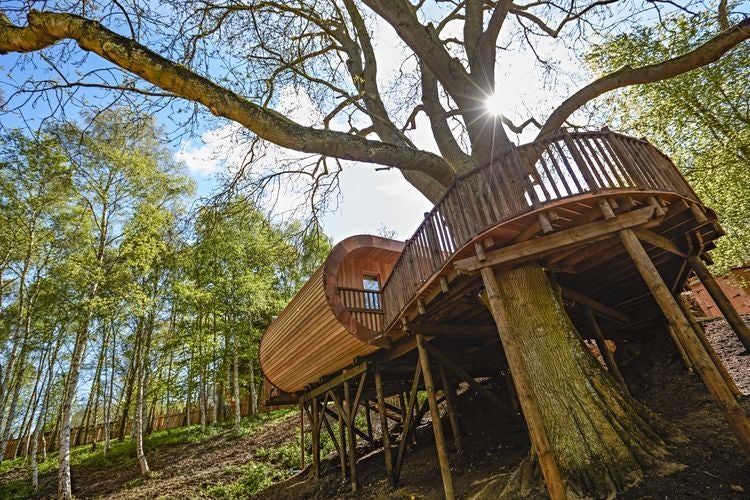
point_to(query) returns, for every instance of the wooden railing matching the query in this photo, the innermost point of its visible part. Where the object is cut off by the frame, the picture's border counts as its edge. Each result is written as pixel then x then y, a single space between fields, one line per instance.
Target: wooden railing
pixel 365 305
pixel 529 177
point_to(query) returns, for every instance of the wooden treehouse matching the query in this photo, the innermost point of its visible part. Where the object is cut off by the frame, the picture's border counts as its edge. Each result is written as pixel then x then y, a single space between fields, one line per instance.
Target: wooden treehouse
pixel 382 320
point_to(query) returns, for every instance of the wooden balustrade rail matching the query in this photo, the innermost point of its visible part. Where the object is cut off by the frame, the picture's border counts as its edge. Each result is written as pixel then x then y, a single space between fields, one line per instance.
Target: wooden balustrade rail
pixel 525 179
pixel 365 305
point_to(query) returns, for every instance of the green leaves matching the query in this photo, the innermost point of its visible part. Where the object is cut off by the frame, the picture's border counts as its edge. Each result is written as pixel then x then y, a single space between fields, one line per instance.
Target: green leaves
pixel 700 119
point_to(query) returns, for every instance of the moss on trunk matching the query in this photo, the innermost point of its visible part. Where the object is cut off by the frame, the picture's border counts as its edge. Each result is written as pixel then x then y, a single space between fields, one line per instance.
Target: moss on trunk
pixel 603 440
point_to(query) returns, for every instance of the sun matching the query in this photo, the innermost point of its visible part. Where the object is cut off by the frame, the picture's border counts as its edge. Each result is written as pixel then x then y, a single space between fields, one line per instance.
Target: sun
pixel 494 104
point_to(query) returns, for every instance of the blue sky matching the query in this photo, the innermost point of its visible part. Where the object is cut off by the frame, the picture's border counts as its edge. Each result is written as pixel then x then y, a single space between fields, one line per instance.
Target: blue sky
pixel 369 199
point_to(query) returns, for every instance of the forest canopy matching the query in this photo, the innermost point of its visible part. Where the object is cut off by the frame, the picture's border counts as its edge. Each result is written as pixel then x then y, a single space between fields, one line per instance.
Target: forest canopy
pixel 107 271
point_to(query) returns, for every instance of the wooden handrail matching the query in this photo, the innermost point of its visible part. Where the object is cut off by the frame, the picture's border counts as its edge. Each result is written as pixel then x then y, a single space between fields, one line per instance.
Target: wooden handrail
pixel 534 174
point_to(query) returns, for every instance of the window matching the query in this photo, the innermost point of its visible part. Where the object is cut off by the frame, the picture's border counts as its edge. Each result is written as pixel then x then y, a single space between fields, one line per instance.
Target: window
pixel 371 283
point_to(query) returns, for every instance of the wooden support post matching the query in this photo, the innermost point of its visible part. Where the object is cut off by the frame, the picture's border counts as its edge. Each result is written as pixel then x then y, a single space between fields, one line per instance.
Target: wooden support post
pixel 349 414
pixel 537 432
pixel 680 348
pixel 602 345
pixel 302 435
pixel 450 402
pixel 342 441
pixel 701 334
pixel 702 362
pixel 479 388
pixel 316 437
pixel 437 426
pixel 368 421
pixel 725 305
pixel 386 435
pixel 408 413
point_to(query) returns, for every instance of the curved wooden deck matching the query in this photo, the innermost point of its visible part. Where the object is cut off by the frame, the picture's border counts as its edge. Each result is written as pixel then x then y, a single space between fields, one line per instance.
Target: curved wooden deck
pixel 535 177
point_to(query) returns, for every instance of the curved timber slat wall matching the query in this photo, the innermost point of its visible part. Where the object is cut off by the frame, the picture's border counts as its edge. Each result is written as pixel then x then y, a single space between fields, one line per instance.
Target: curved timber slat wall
pixel 316 334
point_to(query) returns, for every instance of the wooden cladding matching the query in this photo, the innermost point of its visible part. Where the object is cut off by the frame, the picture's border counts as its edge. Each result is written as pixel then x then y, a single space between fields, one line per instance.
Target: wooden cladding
pixel 525 179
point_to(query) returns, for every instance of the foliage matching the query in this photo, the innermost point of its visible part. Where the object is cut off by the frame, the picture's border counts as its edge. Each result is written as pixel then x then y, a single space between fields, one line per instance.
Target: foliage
pixel 700 119
pixel 98 254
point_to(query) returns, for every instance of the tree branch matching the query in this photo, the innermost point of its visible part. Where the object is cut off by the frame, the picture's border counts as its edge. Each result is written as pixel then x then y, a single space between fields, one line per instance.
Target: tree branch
pixel 701 56
pixel 46 28
pixel 425 43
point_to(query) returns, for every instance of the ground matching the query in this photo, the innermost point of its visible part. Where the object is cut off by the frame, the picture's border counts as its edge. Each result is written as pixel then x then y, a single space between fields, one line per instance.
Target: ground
pixel 221 463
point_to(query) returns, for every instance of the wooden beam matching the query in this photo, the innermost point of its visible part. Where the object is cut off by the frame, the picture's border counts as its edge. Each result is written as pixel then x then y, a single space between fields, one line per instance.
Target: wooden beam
pixel 658 241
pixel 358 432
pixel 720 298
pixel 609 360
pixel 385 433
pixel 448 330
pixel 336 381
pixel 437 426
pixel 596 306
pixel 532 249
pixel 720 392
pixel 463 375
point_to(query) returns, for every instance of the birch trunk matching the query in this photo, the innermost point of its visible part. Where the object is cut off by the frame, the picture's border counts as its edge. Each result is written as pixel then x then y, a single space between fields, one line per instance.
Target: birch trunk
pixel 64 487
pixel 236 385
pixel 253 390
pixel 138 418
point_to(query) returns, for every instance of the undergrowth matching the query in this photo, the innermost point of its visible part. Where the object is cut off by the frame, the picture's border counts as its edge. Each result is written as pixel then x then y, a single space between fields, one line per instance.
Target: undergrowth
pixel 15 475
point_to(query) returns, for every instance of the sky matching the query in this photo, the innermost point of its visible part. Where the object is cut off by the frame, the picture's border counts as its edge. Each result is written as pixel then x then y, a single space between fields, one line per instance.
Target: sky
pixel 371 199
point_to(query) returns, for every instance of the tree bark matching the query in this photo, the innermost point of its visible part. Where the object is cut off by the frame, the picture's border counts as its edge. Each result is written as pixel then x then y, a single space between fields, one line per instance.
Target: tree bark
pixel 139 404
pixel 602 440
pixel 236 384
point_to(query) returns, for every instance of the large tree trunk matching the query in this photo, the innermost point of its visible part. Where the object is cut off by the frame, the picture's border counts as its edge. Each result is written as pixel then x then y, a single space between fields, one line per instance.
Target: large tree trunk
pixel 602 440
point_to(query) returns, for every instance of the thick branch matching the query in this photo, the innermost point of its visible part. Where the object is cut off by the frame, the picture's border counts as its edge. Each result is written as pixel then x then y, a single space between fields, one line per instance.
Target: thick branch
pixel 441 131
pixel 703 55
pixel 426 44
pixel 46 28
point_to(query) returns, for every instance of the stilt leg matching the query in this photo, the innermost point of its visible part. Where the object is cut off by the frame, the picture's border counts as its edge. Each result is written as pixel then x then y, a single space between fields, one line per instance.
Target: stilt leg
pixel 450 401
pixel 316 437
pixel 609 360
pixel 720 298
pixel 350 413
pixel 721 394
pixel 437 427
pixel 368 420
pixel 384 426
pixel 302 436
pixel 342 441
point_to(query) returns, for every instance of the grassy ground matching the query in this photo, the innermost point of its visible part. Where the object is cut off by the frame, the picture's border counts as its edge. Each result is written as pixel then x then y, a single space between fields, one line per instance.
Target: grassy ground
pixel 167 452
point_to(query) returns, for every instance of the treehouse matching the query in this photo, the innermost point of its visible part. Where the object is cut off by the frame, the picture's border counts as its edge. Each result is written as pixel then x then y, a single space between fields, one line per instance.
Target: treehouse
pixel 608 214
pixel 335 318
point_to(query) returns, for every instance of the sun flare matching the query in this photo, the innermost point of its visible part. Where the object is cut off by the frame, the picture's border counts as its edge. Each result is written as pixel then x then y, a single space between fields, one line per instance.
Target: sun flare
pixel 494 104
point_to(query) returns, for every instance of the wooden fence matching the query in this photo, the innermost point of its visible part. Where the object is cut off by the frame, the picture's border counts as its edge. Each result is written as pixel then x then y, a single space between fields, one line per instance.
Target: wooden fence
pixel 16 447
